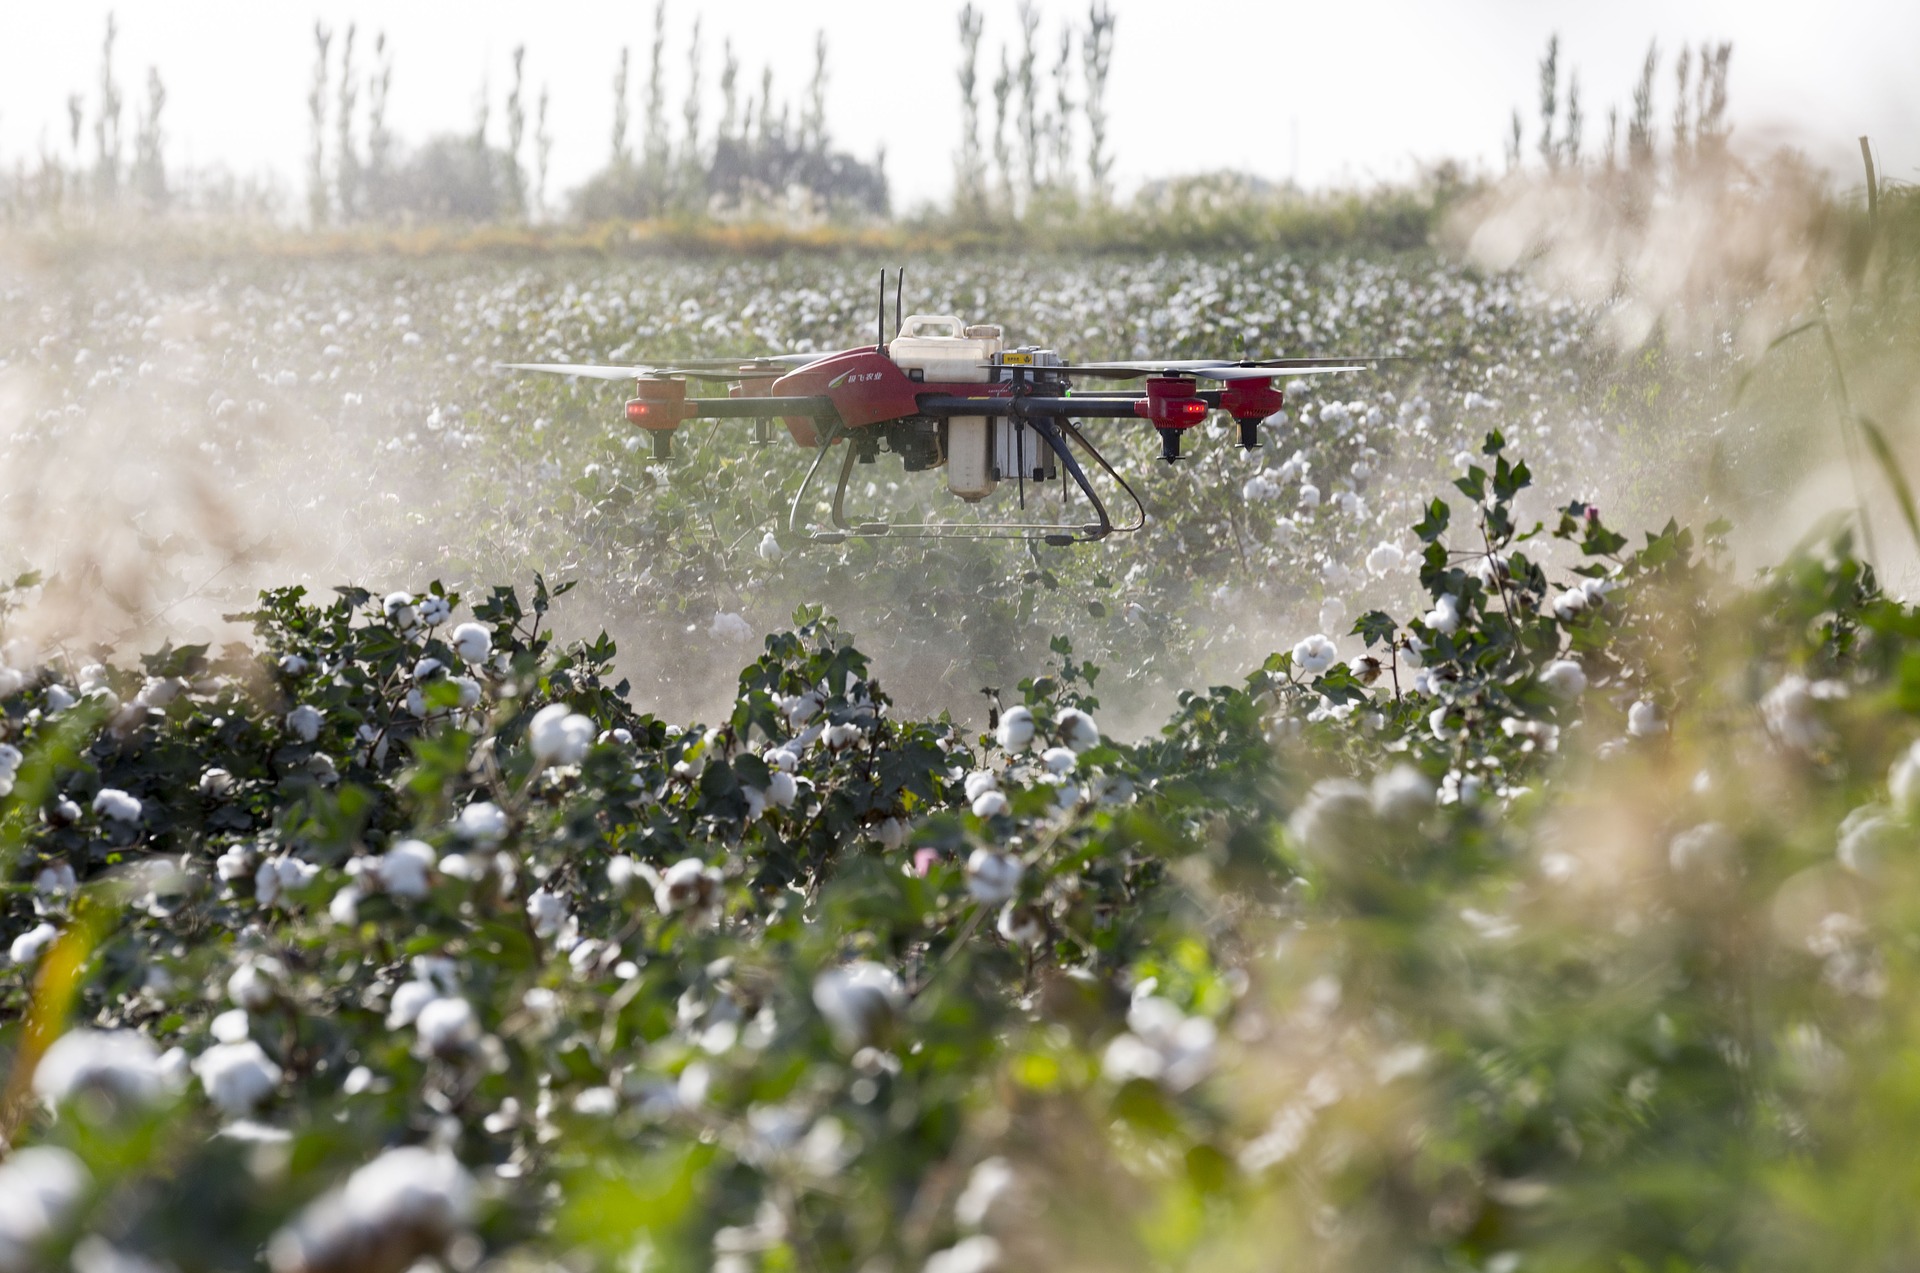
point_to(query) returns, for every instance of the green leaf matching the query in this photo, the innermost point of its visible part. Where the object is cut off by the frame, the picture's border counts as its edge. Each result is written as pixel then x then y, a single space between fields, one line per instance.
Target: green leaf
pixel 1434 524
pixel 1376 626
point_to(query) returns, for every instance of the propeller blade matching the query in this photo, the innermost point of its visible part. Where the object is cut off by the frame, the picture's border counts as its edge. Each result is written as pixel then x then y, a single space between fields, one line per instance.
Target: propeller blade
pixel 596 371
pixel 1209 370
pixel 1274 373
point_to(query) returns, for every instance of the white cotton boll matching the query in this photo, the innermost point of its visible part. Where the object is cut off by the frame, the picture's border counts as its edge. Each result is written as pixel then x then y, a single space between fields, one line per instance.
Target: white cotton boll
pixel 1643 720
pixel 990 804
pixel 447 1027
pixel 597 1102
pixel 216 783
pixel 472 642
pixel 840 737
pixel 1315 654
pixel 803 708
pixel 782 789
pixel 41 1188
pixel 159 691
pixel 977 1254
pixel 1078 730
pixel 1445 615
pixel 1285 530
pixel 408 999
pixel 303 722
pixel 892 833
pixel 1384 560
pixel 428 669
pixel 469 689
pixel 1564 678
pixel 859 1002
pixel 547 910
pixel 727 626
pixel 58 699
pixel 1402 794
pixel 435 611
pixel 1596 590
pixel 483 822
pixel 993 877
pixel 11 758
pixel 756 803
pixel 404 868
pixel 981 781
pixel 1059 760
pixel 405 1204
pixel 398 607
pixel 1333 614
pixel 234 864
pixel 1016 728
pixel 237 1077
pixel 1567 605
pixel 1259 487
pixel 689 886
pixel 770 550
pixel 231 1026
pixel 251 987
pixel 1021 925
pixel 560 736
pixel 123 1065
pixel 1464 460
pixel 93 677
pixel 30 945
pixel 11 682
pixel 780 759
pixel 57 880
pixel 293 665
pixel 116 805
pixel 1309 495
pixel 344 907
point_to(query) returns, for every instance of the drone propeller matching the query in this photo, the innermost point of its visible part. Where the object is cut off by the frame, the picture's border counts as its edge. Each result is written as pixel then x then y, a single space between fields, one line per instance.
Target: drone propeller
pixel 746 369
pixel 1211 369
pixel 1201 364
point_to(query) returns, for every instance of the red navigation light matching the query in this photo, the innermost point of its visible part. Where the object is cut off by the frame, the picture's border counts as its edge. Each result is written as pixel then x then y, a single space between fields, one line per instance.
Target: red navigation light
pixel 1184 412
pixel 639 410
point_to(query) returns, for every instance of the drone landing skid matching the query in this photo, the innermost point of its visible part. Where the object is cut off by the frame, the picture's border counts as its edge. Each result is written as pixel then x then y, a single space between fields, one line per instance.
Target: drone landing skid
pixel 1057 434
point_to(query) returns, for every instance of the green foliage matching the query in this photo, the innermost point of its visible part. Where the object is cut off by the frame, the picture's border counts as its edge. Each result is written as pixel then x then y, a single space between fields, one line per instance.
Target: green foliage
pixel 1183 989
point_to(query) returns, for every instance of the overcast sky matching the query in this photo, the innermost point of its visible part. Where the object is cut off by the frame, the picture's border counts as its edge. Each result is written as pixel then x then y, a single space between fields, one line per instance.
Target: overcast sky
pixel 1367 89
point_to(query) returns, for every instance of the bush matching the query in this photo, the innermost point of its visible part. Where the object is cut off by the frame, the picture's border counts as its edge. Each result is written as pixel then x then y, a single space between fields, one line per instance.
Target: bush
pixel 1524 933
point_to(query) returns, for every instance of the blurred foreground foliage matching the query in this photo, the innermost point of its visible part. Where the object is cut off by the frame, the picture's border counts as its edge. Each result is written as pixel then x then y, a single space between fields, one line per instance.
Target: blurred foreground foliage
pixel 1571 927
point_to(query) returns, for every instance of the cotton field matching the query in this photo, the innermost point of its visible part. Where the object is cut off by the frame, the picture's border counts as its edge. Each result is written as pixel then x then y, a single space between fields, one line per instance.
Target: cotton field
pixel 438 836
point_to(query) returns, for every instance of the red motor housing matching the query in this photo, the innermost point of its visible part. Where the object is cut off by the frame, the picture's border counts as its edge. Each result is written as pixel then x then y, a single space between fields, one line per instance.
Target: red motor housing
pixel 1172 403
pixel 661 405
pixel 1251 399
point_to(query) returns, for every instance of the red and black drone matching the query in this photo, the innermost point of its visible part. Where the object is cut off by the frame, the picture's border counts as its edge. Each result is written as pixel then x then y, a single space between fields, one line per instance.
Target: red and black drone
pixel 947 394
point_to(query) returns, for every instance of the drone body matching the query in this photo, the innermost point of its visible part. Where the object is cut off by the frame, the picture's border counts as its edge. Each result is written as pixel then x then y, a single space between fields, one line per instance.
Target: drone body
pixel 945 394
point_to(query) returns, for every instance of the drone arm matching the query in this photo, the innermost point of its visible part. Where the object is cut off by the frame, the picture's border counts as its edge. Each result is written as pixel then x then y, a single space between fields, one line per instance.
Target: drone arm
pixel 818 407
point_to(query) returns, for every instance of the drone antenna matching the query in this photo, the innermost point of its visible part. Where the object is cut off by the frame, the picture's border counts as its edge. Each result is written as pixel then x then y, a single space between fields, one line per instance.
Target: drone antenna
pixel 899 284
pixel 880 326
